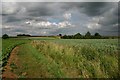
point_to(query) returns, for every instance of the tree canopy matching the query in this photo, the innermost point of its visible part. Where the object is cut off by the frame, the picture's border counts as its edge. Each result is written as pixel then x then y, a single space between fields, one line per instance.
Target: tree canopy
pixel 5 36
pixel 77 36
pixel 86 36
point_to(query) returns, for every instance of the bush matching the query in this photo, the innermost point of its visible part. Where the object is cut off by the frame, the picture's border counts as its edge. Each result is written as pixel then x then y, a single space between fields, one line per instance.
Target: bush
pixel 5 36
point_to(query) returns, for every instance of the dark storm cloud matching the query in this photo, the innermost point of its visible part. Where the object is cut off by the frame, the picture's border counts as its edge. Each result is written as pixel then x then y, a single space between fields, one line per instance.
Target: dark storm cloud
pixel 11 19
pixel 93 9
pixel 109 22
pixel 110 17
pixel 20 13
pixel 14 12
pixel 89 8
pixel 107 14
pixel 40 11
pixel 48 9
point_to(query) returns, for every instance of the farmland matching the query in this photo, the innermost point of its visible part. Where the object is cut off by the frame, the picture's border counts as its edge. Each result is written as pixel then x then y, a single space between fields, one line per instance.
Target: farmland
pixel 8 45
pixel 62 58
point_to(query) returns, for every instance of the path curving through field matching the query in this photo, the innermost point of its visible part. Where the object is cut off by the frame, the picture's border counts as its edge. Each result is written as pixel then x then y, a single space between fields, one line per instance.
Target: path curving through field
pixel 26 62
pixel 12 61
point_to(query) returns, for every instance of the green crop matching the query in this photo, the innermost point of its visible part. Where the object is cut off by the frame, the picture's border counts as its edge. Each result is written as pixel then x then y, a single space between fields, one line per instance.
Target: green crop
pixel 64 58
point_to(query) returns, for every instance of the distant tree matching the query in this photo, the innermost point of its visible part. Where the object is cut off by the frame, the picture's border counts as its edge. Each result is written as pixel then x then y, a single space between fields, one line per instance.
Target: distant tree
pixel 97 36
pixel 5 36
pixel 69 37
pixel 64 37
pixel 77 36
pixel 88 35
pixel 60 34
pixel 27 35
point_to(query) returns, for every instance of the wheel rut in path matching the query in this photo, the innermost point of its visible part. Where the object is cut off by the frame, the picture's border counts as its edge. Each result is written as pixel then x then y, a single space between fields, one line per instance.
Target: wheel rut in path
pixel 12 61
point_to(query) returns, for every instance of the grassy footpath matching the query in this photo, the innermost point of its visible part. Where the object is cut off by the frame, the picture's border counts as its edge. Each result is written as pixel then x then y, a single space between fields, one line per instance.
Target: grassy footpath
pixel 35 64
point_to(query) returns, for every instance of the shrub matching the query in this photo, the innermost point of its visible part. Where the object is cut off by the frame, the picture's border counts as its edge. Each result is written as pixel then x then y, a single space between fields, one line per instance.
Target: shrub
pixel 5 36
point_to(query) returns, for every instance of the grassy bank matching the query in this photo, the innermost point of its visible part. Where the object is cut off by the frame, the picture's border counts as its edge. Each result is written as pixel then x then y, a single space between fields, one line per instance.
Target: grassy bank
pixel 83 60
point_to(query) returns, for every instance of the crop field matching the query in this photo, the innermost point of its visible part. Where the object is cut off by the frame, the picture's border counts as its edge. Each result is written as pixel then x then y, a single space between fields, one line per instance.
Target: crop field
pixel 8 45
pixel 62 58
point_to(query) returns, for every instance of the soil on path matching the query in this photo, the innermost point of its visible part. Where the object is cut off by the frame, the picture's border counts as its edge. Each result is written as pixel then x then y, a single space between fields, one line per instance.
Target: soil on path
pixel 12 63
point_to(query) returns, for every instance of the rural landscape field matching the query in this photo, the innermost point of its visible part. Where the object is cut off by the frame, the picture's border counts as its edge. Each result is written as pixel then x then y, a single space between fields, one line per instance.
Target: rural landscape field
pixel 60 58
pixel 59 40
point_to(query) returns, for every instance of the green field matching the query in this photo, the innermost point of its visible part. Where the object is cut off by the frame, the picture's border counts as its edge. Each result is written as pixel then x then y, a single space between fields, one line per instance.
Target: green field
pixel 8 45
pixel 63 58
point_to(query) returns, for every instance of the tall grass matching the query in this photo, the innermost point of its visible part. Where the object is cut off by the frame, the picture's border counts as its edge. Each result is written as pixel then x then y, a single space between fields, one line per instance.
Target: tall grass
pixel 84 61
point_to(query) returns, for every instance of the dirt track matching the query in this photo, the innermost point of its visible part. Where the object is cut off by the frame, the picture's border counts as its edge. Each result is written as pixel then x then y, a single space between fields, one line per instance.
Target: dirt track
pixel 12 61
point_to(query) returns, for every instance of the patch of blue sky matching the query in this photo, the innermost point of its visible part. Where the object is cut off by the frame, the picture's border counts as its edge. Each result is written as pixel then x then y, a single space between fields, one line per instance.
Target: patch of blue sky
pixel 55 20
pixel 79 18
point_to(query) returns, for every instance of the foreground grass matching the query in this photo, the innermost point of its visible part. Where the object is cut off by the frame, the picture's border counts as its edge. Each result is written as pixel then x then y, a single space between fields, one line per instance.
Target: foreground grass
pixel 84 61
pixel 60 58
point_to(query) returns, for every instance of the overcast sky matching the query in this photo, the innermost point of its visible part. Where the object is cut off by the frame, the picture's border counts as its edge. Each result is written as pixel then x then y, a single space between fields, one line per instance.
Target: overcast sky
pixel 53 18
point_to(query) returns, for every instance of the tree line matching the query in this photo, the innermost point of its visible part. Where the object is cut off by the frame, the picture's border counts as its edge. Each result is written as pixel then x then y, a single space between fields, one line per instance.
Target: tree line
pixel 76 36
pixel 86 36
pixel 5 36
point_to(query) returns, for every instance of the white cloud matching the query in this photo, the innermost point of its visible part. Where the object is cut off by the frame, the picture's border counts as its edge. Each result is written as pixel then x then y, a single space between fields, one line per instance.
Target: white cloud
pixel 47 24
pixel 9 8
pixel 43 23
pixel 55 24
pixel 7 27
pixel 28 22
pixel 94 24
pixel 64 24
pixel 44 32
pixel 67 16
